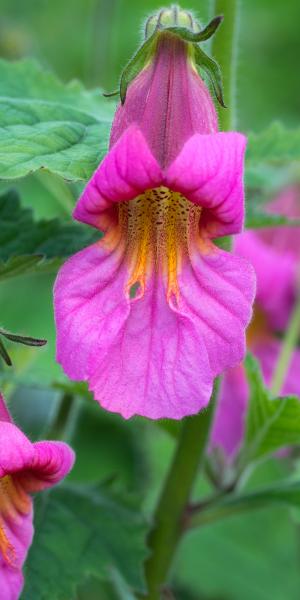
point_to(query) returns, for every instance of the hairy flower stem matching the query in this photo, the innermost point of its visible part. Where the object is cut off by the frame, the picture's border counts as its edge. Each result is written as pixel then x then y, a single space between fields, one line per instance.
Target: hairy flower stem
pixel 224 45
pixel 169 514
pixel 289 343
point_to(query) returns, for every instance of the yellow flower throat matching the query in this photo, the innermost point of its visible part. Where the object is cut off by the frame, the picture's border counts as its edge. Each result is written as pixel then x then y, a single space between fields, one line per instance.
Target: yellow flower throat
pixel 14 502
pixel 158 227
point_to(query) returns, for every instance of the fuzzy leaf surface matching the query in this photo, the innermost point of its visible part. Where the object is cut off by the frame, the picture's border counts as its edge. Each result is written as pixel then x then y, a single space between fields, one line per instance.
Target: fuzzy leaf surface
pixel 272 423
pixel 46 124
pixel 27 245
pixel 81 533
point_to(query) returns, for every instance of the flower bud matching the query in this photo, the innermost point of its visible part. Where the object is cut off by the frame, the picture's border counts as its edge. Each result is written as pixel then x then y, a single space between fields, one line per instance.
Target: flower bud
pixel 168 100
pixel 171 17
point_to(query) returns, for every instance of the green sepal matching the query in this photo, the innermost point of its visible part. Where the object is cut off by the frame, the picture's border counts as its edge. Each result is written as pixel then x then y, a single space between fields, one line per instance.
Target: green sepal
pixel 22 339
pixel 136 64
pixel 200 36
pixel 110 94
pixel 5 355
pixel 19 339
pixel 143 55
pixel 213 70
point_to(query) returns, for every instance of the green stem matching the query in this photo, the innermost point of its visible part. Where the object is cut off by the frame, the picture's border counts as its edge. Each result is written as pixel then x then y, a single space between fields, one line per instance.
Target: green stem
pixel 289 343
pixel 224 52
pixel 169 514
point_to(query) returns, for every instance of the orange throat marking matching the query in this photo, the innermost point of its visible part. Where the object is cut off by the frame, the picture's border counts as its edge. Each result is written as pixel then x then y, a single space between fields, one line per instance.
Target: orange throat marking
pixel 14 502
pixel 159 227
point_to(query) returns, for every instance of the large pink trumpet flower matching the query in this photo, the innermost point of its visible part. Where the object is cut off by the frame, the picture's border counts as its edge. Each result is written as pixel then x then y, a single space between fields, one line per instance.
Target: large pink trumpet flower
pixel 154 311
pixel 275 255
pixel 25 468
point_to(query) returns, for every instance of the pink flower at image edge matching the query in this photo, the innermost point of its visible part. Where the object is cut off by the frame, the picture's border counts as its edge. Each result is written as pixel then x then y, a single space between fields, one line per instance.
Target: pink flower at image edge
pixel 275 254
pixel 25 468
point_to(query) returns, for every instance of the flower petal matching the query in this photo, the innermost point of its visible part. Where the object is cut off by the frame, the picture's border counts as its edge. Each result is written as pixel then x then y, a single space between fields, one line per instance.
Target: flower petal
pixel 90 307
pixel 127 171
pixel 146 355
pixel 229 422
pixel 276 276
pixel 157 366
pixel 11 582
pixel 4 414
pixel 165 357
pixel 52 461
pixel 19 533
pixel 209 172
pixel 267 352
pixel 16 451
pixel 217 290
pixel 43 462
pixel 284 239
pixel 24 468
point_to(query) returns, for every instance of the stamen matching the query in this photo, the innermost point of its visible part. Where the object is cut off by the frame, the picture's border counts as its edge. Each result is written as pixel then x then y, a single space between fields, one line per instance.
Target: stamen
pixel 158 227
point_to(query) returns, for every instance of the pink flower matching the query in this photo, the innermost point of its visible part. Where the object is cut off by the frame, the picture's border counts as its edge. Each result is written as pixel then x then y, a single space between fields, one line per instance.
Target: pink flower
pixel 153 312
pixel 229 425
pixel 25 468
pixel 275 256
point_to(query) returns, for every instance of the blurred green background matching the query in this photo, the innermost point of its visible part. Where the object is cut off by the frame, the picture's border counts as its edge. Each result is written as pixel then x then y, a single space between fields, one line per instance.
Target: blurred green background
pixel 245 558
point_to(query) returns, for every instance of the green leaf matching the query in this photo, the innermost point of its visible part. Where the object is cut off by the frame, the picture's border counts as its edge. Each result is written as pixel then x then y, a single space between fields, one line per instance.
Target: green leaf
pixel 81 533
pixel 21 265
pixel 268 177
pixel 113 589
pixel 271 423
pixel 275 145
pixel 120 586
pixel 45 124
pixel 4 354
pixel 28 80
pixel 29 246
pixel 286 493
pixel 271 164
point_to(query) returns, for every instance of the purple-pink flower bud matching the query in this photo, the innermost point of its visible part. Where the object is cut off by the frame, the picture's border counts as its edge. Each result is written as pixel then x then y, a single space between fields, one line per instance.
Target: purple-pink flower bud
pixel 168 101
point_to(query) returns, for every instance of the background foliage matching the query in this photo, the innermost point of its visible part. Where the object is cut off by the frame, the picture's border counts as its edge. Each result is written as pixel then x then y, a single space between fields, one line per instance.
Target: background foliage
pixel 246 556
